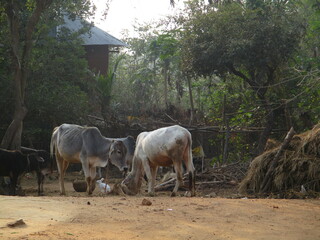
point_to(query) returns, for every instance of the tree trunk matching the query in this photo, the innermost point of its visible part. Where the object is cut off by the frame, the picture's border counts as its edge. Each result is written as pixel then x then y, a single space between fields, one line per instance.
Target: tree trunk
pixel 20 59
pixel 165 76
pixel 269 122
pixel 21 46
pixel 191 101
pixel 12 137
pixel 227 134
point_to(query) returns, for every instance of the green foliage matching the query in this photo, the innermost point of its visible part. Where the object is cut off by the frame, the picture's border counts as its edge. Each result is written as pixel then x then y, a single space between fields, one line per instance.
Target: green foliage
pixel 58 82
pixel 236 54
pixel 165 47
pixel 249 40
pixel 249 47
pixel 57 69
pixel 105 83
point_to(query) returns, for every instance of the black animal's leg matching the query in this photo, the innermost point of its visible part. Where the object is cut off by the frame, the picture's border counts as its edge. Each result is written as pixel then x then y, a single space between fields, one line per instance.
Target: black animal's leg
pixel 13 184
pixel 41 186
pixel 40 178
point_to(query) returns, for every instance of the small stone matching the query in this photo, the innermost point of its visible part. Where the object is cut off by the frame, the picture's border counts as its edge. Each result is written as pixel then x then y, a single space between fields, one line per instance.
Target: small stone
pixel 187 194
pixel 17 223
pixel 146 202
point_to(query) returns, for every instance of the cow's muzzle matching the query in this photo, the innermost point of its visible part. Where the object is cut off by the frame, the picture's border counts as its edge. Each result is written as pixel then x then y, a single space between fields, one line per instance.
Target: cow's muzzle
pixel 125 171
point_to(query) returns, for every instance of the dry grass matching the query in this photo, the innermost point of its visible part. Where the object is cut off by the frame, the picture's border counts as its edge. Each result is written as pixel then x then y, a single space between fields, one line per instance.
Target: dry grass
pixel 298 165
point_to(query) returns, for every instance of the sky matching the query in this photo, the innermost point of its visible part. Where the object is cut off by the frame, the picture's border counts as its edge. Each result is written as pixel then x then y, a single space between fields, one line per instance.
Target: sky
pixel 122 14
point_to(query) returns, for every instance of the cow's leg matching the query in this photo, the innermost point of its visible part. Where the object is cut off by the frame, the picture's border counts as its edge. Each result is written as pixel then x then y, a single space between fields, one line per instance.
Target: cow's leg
pixel 62 167
pixel 148 173
pixel 151 183
pixel 40 178
pixel 99 172
pixel 92 186
pixel 39 181
pixel 18 184
pixel 191 170
pixel 63 173
pixel 13 184
pixel 90 175
pixel 192 183
pixel 86 171
pixel 41 184
pixel 179 180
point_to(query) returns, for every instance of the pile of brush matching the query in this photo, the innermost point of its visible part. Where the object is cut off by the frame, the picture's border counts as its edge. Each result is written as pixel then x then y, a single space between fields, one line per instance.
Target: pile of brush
pixel 293 165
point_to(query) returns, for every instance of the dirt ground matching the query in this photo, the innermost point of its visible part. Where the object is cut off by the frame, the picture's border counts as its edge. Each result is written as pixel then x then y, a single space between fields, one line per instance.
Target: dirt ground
pixel 77 216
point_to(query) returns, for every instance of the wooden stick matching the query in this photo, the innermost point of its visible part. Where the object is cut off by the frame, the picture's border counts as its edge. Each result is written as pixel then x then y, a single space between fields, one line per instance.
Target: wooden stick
pixel 169 181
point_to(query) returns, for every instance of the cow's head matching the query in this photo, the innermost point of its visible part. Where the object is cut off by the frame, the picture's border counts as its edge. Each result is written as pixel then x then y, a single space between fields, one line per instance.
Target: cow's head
pixel 117 155
pixel 131 184
pixel 133 181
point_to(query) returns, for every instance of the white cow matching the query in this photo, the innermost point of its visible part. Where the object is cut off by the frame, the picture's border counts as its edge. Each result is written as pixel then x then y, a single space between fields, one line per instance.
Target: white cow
pixel 162 147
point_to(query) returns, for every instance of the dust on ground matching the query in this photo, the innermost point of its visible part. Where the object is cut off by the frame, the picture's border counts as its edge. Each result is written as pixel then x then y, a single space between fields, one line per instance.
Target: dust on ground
pixel 77 216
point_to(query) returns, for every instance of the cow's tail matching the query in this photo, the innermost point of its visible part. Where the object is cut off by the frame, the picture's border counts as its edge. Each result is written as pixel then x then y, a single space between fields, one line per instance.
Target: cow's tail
pixel 53 143
pixel 190 166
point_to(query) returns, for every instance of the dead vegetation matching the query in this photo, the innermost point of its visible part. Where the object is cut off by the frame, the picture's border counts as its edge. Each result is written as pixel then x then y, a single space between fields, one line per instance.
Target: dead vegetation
pixel 218 181
pixel 297 169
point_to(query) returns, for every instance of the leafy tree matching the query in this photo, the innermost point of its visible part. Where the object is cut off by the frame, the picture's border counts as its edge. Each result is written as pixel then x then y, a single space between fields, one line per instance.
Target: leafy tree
pixel 58 85
pixel 164 48
pixel 23 22
pixel 152 75
pixel 105 86
pixel 138 75
pixel 251 42
pixel 306 71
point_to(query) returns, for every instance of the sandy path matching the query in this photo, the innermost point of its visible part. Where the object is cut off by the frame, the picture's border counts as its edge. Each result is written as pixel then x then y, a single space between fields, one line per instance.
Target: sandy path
pixel 115 217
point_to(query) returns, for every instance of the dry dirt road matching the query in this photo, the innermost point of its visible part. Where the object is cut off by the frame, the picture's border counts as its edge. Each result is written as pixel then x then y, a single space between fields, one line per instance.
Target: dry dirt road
pixel 114 217
pixel 77 216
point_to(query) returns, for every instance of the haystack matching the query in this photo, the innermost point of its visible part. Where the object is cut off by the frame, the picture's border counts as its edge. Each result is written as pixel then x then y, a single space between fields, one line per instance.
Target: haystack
pixel 297 167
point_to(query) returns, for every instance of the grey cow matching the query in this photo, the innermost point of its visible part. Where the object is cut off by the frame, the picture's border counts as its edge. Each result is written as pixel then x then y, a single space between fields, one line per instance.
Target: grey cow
pixel 130 144
pixel 73 144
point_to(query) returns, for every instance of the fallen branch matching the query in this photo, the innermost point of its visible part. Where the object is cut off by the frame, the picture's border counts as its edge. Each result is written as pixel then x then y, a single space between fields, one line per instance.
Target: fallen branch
pixel 211 182
pixel 165 183
pixel 170 181
pixel 175 121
